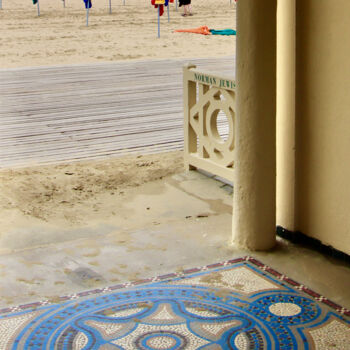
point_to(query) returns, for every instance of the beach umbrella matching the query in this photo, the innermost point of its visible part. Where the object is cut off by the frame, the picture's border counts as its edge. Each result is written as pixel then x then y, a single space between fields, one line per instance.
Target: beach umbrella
pixel 168 7
pixel 159 5
pixel 88 6
pixel 110 6
pixel 37 4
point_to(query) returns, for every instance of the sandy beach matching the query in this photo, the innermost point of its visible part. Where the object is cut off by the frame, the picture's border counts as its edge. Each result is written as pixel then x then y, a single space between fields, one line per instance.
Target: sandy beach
pixel 60 36
pixel 81 193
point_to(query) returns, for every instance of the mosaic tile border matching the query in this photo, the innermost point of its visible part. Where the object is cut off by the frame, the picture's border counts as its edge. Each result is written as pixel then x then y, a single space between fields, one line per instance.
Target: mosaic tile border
pixel 265 268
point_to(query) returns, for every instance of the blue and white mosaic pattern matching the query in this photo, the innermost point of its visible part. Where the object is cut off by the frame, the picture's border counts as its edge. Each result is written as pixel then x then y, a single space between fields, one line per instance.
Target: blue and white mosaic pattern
pixel 241 305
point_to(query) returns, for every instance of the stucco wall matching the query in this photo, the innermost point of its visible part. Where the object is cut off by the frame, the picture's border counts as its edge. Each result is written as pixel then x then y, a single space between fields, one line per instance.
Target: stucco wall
pixel 323 121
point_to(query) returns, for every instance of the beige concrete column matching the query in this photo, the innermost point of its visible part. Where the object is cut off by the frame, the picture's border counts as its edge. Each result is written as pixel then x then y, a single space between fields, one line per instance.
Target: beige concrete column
pixel 285 201
pixel 254 202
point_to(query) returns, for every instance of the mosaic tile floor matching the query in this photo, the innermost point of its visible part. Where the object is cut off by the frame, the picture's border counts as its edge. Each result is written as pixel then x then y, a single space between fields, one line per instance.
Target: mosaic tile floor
pixel 238 304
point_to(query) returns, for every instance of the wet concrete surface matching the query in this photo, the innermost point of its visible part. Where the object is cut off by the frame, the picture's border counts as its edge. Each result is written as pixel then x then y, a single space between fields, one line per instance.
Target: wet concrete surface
pixel 179 222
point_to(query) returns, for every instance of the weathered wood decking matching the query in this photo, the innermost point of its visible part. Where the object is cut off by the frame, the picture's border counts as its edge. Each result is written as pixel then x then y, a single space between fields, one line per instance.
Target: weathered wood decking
pixel 68 113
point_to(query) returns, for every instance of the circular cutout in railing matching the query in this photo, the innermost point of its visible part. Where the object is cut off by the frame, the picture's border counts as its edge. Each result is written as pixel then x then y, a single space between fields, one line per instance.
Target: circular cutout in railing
pixel 222 126
pixel 219 126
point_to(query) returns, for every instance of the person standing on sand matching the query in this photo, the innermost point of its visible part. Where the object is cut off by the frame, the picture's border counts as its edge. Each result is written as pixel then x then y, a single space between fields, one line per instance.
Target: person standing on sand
pixel 187 7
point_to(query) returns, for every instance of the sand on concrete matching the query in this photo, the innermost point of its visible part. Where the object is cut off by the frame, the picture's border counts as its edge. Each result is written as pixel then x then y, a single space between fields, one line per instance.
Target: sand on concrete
pixel 60 36
pixel 137 228
pixel 75 194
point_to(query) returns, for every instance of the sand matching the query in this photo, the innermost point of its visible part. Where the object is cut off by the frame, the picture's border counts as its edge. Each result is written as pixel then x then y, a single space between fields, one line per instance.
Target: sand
pixel 70 195
pixel 78 194
pixel 60 36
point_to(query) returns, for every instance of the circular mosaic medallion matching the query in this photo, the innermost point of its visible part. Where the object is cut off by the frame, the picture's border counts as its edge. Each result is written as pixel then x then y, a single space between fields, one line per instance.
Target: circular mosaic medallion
pixel 166 340
pixel 171 318
pixel 241 342
pixel 285 309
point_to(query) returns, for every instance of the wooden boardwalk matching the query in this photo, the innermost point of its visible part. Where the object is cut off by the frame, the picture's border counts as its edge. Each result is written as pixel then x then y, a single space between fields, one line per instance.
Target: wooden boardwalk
pixel 78 112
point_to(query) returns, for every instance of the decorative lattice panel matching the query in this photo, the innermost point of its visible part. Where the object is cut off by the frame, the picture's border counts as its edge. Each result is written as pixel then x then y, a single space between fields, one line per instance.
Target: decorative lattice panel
pixel 209 102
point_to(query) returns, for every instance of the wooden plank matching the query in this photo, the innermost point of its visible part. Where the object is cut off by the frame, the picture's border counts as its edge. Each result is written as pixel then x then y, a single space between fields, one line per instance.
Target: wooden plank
pixel 91 111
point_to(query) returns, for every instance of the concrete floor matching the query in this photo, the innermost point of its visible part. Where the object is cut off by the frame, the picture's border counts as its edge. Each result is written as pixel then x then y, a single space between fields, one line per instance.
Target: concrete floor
pixel 178 222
